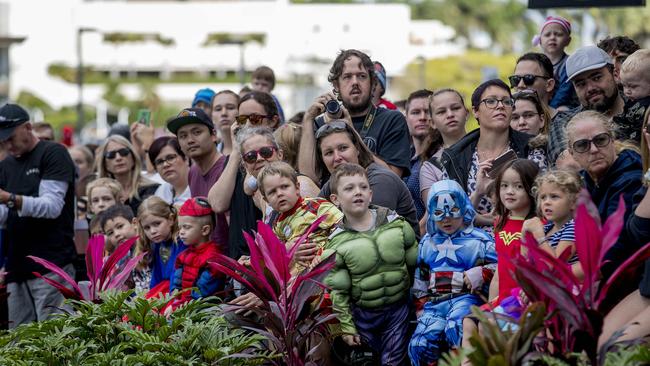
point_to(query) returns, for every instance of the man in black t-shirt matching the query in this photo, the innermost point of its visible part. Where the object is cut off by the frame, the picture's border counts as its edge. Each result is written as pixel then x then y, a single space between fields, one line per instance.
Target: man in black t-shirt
pixel 384 131
pixel 37 209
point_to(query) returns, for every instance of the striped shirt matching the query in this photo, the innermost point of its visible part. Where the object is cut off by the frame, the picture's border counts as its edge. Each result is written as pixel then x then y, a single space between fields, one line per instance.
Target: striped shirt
pixel 566 233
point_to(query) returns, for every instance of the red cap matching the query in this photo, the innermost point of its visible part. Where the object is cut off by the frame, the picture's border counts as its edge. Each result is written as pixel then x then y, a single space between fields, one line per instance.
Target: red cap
pixel 196 207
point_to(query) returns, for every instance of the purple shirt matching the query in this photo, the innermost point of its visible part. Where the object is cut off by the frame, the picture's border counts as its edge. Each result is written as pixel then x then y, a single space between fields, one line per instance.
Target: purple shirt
pixel 200 186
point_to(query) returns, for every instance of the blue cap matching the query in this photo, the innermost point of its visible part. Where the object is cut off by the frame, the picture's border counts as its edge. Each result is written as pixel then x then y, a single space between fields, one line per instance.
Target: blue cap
pixel 203 95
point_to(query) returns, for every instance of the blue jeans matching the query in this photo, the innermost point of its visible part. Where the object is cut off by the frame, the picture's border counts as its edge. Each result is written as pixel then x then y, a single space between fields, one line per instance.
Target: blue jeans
pixel 34 300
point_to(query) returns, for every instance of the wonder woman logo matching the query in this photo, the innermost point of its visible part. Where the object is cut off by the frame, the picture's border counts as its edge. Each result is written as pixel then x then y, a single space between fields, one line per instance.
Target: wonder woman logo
pixel 509 237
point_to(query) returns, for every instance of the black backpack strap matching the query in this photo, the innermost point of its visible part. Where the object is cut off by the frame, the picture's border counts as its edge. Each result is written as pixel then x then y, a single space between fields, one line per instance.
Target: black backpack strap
pixel 436 162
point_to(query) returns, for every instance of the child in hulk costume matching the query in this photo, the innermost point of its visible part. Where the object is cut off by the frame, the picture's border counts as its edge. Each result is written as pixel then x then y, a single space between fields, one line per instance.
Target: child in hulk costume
pixel 370 281
pixel 455 261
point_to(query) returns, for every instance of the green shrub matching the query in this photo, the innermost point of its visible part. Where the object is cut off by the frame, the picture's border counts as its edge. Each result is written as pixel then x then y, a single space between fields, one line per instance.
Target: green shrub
pixel 131 331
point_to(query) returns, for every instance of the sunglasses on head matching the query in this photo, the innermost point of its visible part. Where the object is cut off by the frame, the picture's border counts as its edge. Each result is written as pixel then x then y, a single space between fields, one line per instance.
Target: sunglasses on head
pixel 254 118
pixel 110 155
pixel 334 126
pixel 529 79
pixel 600 140
pixel 265 152
pixel 202 202
pixel 526 93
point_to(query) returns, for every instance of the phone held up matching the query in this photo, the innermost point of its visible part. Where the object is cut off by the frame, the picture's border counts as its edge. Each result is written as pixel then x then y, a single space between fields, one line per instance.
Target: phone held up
pixel 144 117
pixel 499 162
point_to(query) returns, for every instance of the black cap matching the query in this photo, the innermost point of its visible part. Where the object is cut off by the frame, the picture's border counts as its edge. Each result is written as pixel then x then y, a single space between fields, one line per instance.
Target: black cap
pixel 11 116
pixel 188 116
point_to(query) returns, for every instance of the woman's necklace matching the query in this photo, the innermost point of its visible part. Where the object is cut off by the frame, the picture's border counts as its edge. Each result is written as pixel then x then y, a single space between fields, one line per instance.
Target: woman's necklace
pixel 489 155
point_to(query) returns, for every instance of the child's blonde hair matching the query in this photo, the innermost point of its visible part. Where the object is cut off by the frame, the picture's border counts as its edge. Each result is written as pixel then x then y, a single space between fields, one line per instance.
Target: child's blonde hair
pixel 568 181
pixel 154 206
pixel 114 186
pixel 276 168
pixel 288 137
pixel 639 62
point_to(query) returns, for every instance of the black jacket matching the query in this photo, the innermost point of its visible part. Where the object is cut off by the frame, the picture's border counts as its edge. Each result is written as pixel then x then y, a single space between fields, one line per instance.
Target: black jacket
pixel 457 159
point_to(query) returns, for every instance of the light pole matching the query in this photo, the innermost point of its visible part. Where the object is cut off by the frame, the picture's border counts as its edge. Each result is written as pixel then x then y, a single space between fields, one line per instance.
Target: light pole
pixel 80 77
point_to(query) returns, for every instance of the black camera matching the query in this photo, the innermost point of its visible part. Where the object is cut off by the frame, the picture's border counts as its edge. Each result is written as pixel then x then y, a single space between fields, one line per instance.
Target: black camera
pixel 333 107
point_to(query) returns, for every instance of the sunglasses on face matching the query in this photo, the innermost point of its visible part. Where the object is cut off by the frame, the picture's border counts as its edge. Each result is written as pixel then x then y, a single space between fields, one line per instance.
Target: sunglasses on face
pixel 110 155
pixel 169 159
pixel 600 140
pixel 265 152
pixel 335 126
pixel 255 119
pixel 492 103
pixel 529 79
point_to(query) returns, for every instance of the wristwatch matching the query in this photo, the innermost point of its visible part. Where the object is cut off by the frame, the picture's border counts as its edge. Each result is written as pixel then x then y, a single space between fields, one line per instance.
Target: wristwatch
pixel 11 203
pixel 646 178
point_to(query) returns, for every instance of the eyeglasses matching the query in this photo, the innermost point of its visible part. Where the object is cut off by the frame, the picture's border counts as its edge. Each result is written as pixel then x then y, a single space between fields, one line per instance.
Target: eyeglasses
pixel 254 118
pixel 525 115
pixel 331 127
pixel 169 159
pixel 492 103
pixel 110 155
pixel 529 79
pixel 265 152
pixel 600 140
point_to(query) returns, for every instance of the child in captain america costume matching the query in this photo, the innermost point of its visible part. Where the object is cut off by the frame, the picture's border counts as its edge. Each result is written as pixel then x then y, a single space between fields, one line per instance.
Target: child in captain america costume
pixel 455 261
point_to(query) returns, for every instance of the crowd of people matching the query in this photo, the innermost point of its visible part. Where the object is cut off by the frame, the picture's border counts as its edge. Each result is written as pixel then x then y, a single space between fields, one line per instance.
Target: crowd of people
pixel 422 216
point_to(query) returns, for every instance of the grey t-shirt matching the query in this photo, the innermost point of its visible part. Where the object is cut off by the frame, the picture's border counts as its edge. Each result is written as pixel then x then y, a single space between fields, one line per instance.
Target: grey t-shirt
pixel 388 190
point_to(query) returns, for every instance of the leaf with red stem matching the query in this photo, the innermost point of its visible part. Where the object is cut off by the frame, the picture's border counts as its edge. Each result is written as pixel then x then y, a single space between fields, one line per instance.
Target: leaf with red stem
pixel 109 267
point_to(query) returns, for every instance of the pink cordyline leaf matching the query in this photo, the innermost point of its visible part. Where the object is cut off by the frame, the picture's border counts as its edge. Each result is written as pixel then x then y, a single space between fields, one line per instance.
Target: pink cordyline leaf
pixel 94 259
pixel 58 271
pixel 109 266
pixel 118 280
pixel 588 242
pixel 306 234
pixel 562 299
pixel 584 198
pixel 240 273
pixel 612 229
pixel 259 261
pixel 300 292
pixel 276 250
pixel 317 273
pixel 274 259
pixel 544 261
pixel 625 270
pixel 66 292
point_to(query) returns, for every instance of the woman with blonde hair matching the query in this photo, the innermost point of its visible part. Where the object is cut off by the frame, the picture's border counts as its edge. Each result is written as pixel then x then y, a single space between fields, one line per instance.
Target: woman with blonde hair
pixel 116 158
pixel 611 169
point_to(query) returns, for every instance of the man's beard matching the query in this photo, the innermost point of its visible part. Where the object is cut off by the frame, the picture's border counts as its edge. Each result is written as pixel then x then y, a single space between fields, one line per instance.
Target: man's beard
pixel 605 105
pixel 359 107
